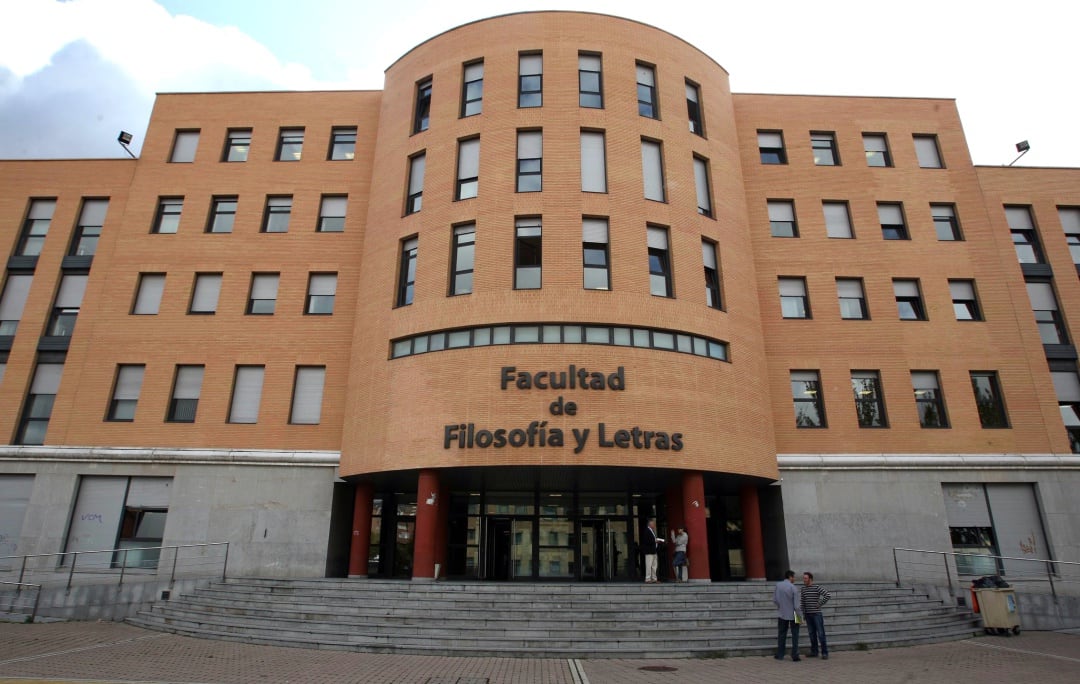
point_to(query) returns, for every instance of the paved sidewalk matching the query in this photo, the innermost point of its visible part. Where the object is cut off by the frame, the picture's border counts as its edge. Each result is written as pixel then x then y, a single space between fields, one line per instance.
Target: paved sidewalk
pixel 116 652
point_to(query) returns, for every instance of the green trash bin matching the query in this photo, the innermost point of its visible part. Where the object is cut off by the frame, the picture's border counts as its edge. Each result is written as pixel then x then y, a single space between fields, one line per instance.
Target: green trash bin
pixel 999 610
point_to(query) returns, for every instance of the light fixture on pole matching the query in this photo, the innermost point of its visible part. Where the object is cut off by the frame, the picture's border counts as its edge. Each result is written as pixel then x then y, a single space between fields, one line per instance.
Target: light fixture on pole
pixel 1022 147
pixel 125 139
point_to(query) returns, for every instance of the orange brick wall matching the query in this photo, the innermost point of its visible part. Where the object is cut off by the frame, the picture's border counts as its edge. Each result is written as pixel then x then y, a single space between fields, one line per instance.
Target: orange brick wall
pixel 401 406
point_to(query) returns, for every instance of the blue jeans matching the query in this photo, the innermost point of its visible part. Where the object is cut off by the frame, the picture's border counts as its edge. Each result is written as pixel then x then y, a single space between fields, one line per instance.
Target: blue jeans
pixel 815 625
pixel 781 638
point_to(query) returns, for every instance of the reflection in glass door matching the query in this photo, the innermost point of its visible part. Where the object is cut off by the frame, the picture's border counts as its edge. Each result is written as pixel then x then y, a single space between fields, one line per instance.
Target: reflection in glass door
pixel 521 550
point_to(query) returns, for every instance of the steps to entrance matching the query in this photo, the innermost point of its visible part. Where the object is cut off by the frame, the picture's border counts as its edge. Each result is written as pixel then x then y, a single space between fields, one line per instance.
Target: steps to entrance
pixel 546 620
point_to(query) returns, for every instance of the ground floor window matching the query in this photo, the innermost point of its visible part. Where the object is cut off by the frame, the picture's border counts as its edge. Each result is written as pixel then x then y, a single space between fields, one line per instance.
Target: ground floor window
pixel 14 496
pixel 121 519
pixel 996 520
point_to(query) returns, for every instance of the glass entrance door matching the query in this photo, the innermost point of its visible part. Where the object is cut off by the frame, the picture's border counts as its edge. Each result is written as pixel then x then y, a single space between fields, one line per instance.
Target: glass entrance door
pixel 509 547
pixel 593 550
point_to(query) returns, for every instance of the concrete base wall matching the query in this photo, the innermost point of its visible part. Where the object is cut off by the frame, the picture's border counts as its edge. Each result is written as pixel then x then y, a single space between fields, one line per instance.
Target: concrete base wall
pixel 842 523
pixel 273 508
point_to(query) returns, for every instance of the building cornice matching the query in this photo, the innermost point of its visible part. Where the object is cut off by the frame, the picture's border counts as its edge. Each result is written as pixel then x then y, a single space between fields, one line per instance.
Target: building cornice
pixel 928 461
pixel 176 456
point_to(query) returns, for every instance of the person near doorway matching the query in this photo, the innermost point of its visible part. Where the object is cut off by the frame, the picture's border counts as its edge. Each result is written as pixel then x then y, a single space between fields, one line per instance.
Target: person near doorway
pixel 788 615
pixel 650 546
pixel 682 566
pixel 811 599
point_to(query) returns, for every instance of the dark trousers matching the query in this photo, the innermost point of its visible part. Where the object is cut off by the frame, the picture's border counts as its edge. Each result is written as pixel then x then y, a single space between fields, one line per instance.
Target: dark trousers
pixel 815 625
pixel 781 638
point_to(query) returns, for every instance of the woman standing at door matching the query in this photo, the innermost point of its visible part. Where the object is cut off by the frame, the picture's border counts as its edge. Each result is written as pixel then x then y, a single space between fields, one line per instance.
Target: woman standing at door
pixel 681 564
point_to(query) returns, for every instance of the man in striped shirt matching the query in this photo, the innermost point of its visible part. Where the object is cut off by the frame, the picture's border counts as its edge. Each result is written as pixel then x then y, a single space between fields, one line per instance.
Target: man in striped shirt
pixel 811 599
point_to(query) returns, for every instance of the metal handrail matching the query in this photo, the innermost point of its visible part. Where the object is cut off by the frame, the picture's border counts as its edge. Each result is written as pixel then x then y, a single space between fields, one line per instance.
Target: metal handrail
pixel 18 591
pixel 75 558
pixel 948 574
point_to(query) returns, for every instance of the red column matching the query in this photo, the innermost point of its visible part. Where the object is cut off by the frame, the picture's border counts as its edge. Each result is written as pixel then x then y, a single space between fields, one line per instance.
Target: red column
pixel 753 543
pixel 361 529
pixel 693 509
pixel 427 524
pixel 443 530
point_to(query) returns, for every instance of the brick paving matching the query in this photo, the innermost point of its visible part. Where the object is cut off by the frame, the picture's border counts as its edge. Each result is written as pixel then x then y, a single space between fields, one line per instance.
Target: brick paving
pixel 115 652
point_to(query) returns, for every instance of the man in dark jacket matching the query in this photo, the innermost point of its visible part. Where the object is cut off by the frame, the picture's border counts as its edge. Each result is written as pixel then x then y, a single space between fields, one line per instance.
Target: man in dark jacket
pixel 650 545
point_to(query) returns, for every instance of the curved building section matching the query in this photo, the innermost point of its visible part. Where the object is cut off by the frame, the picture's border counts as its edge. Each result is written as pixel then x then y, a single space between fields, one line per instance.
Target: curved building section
pixel 557 267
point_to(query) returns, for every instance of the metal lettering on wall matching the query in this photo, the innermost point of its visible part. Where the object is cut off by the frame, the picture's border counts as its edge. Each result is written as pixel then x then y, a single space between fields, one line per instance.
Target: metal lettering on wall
pixel 538 434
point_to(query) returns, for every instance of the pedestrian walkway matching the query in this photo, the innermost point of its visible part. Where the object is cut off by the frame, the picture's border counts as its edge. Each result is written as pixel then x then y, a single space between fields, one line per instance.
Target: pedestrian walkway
pixel 66 652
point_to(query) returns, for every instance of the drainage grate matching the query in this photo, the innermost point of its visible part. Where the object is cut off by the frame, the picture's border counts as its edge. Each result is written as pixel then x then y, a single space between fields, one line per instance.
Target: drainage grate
pixel 658 668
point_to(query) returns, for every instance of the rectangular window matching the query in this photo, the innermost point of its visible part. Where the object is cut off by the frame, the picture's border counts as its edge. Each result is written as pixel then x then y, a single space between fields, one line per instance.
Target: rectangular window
pixel 837 219
pixel 877 149
pixel 237 145
pixel 129 380
pixel 989 399
pixel 184 145
pixel 808 400
pixel 782 219
pixel 290 144
pixel 122 512
pixel 849 291
pixel 530 153
pixel 148 294
pixel 595 254
pixel 277 214
pixel 247 394
pixel 204 296
pixel 646 91
pixel 36 227
pixel 965 305
pixel 794 302
pixel 693 109
pixel 891 216
pixel 322 288
pixel 946 224
pixel 1025 239
pixel 929 401
pixel 262 300
pixel 39 403
pixel 530 80
pixel 593 162
pixel 468 168
pixel 66 307
pixel 88 229
pixel 185 395
pixel 332 213
pixel 463 259
pixel 701 185
pixel 823 145
pixel 712 274
pixel 167 218
pixel 1067 387
pixel 13 301
pixel 869 399
pixel 926 149
pixel 1070 223
pixel 1044 305
pixel 422 115
pixel 659 262
pixel 909 302
pixel 771 147
pixel 528 254
pixel 342 143
pixel 416 183
pixel 472 89
pixel 590 85
pixel 407 272
pixel 222 215
pixel 307 395
pixel 652 169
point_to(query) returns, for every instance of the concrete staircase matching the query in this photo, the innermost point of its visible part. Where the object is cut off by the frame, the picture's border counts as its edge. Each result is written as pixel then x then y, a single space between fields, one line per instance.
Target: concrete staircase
pixel 547 620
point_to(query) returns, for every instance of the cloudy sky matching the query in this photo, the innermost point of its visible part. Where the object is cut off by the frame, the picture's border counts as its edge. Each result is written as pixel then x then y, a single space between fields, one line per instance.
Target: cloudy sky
pixel 73 73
